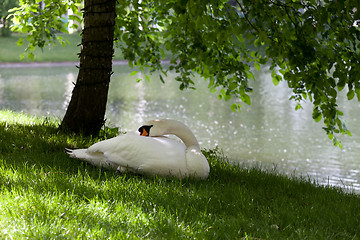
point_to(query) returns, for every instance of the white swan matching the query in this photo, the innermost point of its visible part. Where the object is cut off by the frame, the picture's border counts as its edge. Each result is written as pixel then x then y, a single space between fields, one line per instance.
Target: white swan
pixel 150 153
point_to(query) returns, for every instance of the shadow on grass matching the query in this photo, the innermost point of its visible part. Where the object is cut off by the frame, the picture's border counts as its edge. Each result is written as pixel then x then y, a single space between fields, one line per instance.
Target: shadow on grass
pixel 232 203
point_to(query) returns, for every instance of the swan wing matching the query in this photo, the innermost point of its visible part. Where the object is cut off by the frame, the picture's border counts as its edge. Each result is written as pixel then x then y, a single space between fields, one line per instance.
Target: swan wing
pixel 146 155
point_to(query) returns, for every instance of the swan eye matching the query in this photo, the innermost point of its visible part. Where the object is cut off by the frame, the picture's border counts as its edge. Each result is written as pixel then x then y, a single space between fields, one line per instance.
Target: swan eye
pixel 145 130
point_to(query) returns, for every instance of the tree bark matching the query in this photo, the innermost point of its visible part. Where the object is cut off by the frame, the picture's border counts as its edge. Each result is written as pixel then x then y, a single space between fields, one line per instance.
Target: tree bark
pixel 87 106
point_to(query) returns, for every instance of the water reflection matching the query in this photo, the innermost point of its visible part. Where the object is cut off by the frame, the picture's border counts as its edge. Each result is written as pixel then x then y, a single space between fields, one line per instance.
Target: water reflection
pixel 69 85
pixel 269 131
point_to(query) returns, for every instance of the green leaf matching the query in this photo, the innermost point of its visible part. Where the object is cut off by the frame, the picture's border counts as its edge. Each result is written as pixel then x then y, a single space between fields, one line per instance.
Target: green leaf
pixel 240 38
pixel 350 95
pixel 298 106
pixel 316 114
pixel 257 66
pixel 227 97
pixel 20 42
pixel 232 86
pixel 162 79
pixel 212 90
pixel 304 95
pixel 31 55
pixel 162 53
pixel 75 18
pixel 337 143
pixel 182 86
pixel 133 73
pixel 331 136
pixel 246 99
pixel 317 118
pixel 257 43
pixel 235 107
pixel 248 89
pixel 276 80
pixel 357 91
pixel 254 54
pixel 340 113
pixel 223 92
pixel 250 75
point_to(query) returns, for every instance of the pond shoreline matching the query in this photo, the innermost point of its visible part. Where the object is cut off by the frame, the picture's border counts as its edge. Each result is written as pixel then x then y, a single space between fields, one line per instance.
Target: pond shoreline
pixel 57 64
pixel 48 64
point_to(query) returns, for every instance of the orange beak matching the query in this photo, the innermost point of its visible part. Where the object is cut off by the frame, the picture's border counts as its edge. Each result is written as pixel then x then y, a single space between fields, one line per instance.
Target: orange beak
pixel 144 133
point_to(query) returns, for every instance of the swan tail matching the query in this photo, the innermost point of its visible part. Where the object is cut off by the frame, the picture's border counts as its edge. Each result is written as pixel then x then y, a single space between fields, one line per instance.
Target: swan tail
pixel 93 158
pixel 77 153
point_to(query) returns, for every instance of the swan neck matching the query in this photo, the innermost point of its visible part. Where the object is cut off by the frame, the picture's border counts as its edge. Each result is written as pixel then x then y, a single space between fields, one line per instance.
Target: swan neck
pixel 185 134
pixel 188 138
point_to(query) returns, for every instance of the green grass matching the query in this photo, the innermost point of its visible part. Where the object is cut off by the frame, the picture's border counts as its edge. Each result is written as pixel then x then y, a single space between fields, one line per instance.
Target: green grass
pixel 11 52
pixel 44 194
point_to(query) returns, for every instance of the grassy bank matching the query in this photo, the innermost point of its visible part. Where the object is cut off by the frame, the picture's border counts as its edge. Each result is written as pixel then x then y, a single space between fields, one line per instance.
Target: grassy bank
pixel 11 52
pixel 44 194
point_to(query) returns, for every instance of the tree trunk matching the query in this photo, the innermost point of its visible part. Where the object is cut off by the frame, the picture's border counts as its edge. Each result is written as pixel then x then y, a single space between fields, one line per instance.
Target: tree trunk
pixel 87 106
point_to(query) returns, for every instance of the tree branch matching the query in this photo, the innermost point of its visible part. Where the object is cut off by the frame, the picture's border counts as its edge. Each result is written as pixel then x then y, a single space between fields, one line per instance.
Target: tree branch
pixel 246 17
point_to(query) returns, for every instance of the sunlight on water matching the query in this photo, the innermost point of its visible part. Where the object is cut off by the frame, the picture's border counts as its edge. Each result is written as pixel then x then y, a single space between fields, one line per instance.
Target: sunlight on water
pixel 269 133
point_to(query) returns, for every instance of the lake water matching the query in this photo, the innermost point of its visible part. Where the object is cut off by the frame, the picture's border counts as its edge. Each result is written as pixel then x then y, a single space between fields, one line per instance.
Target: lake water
pixel 269 133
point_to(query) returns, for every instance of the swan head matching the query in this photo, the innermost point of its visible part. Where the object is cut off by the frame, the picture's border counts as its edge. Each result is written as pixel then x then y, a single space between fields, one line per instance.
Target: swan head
pixel 145 130
pixel 154 128
pixel 161 127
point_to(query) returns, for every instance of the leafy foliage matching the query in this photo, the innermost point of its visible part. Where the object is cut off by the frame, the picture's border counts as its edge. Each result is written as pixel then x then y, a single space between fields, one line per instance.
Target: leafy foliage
pixel 43 20
pixel 313 45
pixel 5 5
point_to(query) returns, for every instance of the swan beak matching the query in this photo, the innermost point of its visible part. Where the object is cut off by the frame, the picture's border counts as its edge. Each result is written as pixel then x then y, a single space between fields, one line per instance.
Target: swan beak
pixel 144 133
